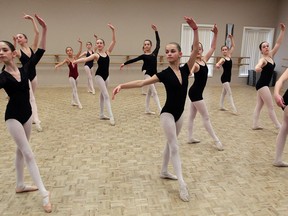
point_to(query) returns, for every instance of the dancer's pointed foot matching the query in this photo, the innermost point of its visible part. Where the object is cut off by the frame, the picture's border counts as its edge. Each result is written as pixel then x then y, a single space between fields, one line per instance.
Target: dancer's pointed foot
pixel 38 127
pixel 184 194
pixel 219 145
pixel 112 122
pixel 47 206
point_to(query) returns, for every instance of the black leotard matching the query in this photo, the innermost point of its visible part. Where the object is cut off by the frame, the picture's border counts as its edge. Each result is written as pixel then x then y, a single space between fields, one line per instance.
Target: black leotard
pixel 200 80
pixel 266 75
pixel 89 63
pixel 24 59
pixel 149 61
pixel 285 98
pixel 103 67
pixel 226 75
pixel 176 92
pixel 18 106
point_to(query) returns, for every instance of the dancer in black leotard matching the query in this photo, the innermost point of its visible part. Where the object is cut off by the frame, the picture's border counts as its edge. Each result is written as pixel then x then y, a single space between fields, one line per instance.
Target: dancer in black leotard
pixel 200 71
pixel 102 73
pixel 15 82
pixel 175 80
pixel 88 67
pixel 24 54
pixel 149 67
pixel 226 63
pixel 282 101
pixel 73 73
pixel 266 66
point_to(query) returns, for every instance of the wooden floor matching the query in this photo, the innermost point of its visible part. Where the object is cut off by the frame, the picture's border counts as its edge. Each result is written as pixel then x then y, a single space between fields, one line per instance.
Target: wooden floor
pixel 92 168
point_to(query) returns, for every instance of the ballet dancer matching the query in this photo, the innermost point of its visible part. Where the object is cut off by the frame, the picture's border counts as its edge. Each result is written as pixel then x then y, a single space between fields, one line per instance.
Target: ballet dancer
pixel 266 66
pixel 88 67
pixel 175 80
pixel 226 63
pixel 18 115
pixel 149 68
pixel 197 104
pixel 73 73
pixel 24 54
pixel 282 102
pixel 102 73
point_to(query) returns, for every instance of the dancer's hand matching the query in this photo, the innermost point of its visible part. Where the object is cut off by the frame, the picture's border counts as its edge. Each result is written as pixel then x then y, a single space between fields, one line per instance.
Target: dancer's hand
pixel 279 100
pixel 41 21
pixel 116 91
pixel 154 27
pixel 111 26
pixel 282 26
pixel 121 66
pixel 28 17
pixel 79 41
pixel 191 22
pixel 215 29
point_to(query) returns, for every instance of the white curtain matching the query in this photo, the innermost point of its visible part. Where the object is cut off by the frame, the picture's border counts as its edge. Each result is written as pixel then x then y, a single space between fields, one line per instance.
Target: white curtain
pixel 205 37
pixel 252 37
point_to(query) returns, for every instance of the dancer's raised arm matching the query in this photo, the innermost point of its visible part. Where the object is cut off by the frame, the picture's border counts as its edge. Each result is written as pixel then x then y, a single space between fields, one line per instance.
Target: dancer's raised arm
pixel 113 42
pixel 195 45
pixel 213 44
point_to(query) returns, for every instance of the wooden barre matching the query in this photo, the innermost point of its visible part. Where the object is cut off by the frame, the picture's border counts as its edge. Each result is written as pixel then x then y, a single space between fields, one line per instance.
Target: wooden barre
pixel 161 59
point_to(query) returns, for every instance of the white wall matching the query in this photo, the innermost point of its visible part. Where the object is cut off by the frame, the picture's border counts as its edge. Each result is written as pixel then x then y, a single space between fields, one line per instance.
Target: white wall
pixel 68 20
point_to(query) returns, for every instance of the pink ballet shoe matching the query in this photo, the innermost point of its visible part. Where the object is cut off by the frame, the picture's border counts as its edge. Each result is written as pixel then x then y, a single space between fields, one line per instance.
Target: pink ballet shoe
pixel 48 207
pixel 26 188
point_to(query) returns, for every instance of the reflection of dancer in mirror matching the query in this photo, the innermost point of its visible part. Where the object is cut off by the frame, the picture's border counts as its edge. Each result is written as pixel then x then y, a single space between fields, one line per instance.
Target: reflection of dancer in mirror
pixel 88 67
pixel 24 54
pixel 149 68
pixel 226 63
pixel 266 66
pixel 73 73
pixel 102 73
pixel 197 104
pixel 15 82
pixel 175 80
pixel 282 135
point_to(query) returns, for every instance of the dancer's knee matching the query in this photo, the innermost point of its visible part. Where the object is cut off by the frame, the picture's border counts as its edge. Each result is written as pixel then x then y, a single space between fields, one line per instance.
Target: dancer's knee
pixel 205 118
pixel 18 153
pixel 28 156
pixel 174 148
pixel 105 96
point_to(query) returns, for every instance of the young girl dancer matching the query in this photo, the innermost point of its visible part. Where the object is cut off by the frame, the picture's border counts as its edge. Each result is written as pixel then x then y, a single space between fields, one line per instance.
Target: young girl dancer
pixel 282 135
pixel 175 80
pixel 24 54
pixel 88 67
pixel 266 66
pixel 102 73
pixel 15 82
pixel 149 68
pixel 226 63
pixel 200 71
pixel 73 73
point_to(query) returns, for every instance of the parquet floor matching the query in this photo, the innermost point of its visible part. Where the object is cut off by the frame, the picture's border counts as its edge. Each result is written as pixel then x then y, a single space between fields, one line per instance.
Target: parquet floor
pixel 92 168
